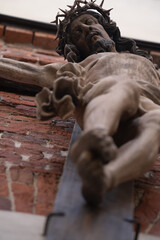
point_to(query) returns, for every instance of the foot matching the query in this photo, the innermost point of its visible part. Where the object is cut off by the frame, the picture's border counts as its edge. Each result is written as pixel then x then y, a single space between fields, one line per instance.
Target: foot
pixel 93 179
pixel 91 152
pixel 96 141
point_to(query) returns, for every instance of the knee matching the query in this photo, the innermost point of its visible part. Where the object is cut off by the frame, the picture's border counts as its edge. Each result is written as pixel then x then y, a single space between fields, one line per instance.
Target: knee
pixel 129 92
pixel 152 118
pixel 131 88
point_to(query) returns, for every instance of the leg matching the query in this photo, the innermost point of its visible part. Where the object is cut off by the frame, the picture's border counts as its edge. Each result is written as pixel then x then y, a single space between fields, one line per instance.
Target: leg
pixel 138 155
pixel 95 147
pixel 133 159
pixel 103 114
pixel 106 110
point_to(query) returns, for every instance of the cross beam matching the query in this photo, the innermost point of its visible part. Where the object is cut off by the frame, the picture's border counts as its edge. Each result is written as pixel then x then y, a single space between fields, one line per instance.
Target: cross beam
pixel 72 219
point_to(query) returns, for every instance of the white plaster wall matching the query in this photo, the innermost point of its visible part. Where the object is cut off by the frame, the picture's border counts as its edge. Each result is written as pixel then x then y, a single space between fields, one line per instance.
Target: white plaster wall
pixel 138 19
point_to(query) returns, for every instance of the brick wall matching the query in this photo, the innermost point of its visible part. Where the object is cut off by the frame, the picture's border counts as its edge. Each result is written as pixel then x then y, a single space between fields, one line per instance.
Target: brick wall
pixel 32 153
pixel 147 200
pixel 12 34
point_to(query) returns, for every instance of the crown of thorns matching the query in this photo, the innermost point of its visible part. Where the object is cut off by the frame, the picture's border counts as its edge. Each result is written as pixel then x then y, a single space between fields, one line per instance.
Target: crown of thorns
pixel 78 8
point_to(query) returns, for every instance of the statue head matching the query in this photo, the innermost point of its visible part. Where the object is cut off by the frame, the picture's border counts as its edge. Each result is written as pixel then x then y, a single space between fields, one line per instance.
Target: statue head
pixel 87 29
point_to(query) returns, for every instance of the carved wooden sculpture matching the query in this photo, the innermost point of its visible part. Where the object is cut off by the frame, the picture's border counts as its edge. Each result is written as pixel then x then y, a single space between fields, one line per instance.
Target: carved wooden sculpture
pixel 113 91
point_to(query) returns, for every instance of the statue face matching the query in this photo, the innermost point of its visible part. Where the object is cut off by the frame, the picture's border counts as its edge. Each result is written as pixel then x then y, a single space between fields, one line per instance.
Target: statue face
pixel 89 36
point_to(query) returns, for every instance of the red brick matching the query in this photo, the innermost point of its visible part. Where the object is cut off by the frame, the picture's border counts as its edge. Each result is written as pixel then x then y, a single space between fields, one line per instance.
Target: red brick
pixel 8 98
pixel 44 208
pixel 25 48
pixel 1 45
pixel 46 52
pixel 6 94
pixel 138 194
pixel 5 203
pixel 2 170
pixel 156 57
pixel 45 40
pixel 47 60
pixel 18 35
pixel 1 30
pixel 155 230
pixel 19 125
pixel 22 175
pixel 46 188
pixel 20 56
pixel 3 182
pixel 149 206
pixel 8 154
pixel 3 186
pixel 20 52
pixel 23 196
pixel 152 177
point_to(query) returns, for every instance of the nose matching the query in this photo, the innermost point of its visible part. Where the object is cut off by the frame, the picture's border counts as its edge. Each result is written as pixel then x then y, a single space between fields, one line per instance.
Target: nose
pixel 86 28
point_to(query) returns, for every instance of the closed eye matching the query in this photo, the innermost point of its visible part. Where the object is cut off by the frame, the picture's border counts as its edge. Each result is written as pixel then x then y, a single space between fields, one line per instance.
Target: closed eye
pixel 89 21
pixel 77 32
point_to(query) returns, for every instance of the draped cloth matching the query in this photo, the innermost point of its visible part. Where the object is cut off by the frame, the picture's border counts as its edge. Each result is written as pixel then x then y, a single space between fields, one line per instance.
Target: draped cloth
pixel 76 84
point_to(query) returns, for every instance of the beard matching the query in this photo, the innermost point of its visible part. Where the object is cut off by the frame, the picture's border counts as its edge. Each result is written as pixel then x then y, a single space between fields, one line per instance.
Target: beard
pixel 103 45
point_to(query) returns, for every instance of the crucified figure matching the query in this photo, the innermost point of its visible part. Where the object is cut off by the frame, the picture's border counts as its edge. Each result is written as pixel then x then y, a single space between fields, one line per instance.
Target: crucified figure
pixel 113 90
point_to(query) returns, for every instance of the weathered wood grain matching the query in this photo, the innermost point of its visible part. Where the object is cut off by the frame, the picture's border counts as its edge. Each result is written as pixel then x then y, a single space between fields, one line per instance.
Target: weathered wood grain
pixel 83 223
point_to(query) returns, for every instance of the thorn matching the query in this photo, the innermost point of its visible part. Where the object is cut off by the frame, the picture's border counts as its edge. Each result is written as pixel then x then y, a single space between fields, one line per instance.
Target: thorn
pixel 53 21
pixel 62 10
pixel 108 11
pixel 69 6
pixel 61 15
pixel 80 1
pixel 102 3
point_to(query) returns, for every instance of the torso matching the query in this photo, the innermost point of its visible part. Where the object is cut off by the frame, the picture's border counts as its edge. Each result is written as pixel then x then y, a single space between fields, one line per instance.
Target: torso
pixel 136 67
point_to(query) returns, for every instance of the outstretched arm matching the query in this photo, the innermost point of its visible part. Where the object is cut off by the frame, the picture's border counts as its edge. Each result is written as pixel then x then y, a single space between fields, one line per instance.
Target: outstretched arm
pixel 62 84
pixel 16 71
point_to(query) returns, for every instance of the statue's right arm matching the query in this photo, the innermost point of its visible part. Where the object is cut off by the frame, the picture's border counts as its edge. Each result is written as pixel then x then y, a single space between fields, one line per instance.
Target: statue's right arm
pixel 22 72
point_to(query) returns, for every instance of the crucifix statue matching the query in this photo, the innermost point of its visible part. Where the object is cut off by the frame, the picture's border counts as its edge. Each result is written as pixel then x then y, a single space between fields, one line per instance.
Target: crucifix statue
pixel 110 86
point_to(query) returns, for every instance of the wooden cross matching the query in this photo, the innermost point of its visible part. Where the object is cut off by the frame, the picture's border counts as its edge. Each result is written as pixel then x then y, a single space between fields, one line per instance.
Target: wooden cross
pixel 72 219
